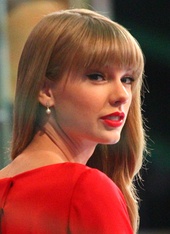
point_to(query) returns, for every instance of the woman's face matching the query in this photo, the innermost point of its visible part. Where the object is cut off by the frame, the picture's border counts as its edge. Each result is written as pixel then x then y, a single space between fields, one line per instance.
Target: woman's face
pixel 92 105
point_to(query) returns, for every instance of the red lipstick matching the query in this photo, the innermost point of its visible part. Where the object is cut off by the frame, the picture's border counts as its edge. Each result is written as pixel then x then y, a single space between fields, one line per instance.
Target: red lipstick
pixel 114 119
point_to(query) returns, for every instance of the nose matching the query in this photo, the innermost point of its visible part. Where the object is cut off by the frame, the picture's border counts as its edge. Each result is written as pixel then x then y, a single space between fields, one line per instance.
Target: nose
pixel 119 94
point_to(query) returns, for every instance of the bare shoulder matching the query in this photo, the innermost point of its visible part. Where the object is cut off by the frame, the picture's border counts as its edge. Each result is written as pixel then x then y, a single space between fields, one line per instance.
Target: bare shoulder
pixel 14 167
pixel 26 162
pixel 4 172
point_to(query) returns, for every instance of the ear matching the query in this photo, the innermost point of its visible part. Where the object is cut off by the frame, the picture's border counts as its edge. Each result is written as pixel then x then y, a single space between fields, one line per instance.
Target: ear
pixel 45 95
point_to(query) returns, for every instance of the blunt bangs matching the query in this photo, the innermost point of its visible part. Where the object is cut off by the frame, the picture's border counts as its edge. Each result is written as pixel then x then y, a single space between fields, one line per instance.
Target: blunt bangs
pixel 108 43
pixel 88 42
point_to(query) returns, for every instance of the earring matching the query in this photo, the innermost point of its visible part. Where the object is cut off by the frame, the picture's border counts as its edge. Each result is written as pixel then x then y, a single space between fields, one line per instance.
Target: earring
pixel 48 111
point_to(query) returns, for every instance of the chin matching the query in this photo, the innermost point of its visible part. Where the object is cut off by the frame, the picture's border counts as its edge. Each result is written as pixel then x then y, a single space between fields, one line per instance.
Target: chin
pixel 113 142
pixel 110 140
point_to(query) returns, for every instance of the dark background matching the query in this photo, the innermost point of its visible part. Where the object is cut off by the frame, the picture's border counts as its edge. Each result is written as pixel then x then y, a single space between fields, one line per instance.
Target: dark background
pixel 149 22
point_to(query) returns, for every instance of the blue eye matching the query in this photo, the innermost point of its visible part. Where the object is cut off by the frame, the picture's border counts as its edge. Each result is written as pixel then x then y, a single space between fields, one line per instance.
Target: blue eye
pixel 96 77
pixel 127 80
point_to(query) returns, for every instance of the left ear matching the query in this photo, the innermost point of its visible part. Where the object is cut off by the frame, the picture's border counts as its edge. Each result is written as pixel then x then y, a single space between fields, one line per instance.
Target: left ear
pixel 45 94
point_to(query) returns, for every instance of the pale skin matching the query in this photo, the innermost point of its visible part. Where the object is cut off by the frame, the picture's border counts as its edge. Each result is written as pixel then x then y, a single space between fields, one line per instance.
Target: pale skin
pixel 75 126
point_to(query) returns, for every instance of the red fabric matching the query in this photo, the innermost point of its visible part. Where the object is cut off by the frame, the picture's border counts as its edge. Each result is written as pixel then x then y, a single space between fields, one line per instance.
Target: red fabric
pixel 62 198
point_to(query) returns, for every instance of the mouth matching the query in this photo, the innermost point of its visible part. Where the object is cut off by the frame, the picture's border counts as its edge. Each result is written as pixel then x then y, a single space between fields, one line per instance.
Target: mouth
pixel 114 119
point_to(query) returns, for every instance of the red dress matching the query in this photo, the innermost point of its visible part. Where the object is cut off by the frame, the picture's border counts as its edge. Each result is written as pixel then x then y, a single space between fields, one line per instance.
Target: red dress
pixel 66 198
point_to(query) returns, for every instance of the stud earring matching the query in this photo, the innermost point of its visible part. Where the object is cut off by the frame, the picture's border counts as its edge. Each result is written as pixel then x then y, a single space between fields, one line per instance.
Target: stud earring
pixel 48 111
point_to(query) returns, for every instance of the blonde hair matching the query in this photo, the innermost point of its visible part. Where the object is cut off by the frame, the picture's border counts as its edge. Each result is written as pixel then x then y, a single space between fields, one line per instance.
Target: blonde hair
pixel 75 39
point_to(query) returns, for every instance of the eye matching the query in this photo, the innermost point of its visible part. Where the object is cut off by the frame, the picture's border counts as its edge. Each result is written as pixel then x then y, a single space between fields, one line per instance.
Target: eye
pixel 96 77
pixel 127 80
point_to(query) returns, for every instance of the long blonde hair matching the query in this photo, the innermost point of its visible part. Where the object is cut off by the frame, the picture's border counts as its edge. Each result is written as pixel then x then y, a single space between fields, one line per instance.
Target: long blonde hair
pixel 75 39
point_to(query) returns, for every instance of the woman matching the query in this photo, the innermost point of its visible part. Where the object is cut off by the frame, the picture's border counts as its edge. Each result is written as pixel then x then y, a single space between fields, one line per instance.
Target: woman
pixel 77 103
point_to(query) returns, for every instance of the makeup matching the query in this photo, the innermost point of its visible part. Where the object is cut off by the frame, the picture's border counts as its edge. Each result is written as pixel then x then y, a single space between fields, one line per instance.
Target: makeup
pixel 114 119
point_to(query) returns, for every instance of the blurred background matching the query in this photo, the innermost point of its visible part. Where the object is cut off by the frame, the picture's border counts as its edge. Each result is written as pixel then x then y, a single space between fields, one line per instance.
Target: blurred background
pixel 149 22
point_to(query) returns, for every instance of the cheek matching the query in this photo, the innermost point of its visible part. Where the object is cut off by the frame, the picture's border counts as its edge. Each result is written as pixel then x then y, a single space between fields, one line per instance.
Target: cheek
pixel 72 103
pixel 130 100
pixel 84 99
pixel 128 104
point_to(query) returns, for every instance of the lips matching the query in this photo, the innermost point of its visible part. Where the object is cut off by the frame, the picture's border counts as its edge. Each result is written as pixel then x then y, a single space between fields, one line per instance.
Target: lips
pixel 114 119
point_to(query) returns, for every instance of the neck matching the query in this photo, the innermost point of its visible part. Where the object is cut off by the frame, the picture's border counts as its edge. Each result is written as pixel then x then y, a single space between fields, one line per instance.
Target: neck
pixel 65 149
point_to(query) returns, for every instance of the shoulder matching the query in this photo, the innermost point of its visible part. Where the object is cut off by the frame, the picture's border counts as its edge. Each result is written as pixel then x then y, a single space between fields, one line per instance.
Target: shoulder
pixel 92 185
pixel 98 204
pixel 85 177
pixel 87 180
pixel 97 181
pixel 4 172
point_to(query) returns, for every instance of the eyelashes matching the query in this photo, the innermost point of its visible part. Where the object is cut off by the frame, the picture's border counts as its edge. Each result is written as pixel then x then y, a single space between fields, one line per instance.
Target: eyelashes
pixel 98 77
pixel 127 80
